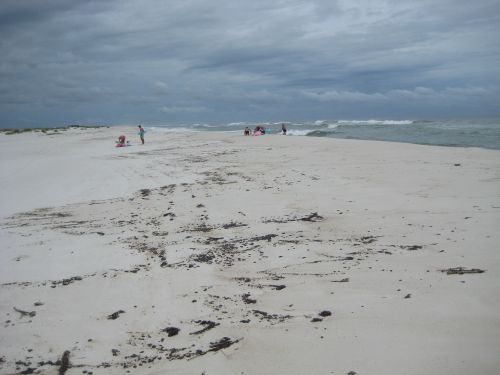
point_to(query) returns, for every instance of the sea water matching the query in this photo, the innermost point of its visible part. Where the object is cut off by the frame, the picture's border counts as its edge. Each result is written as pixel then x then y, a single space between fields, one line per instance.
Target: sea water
pixel 484 133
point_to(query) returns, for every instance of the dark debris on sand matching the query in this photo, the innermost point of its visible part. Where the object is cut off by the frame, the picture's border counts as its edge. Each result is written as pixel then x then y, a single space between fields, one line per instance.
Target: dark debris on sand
pixel 246 298
pixel 23 313
pixel 207 257
pixel 368 239
pixel 411 247
pixel 171 331
pixel 345 280
pixel 145 192
pixel 272 318
pixel 115 315
pixel 65 365
pixel 462 270
pixel 322 314
pixel 208 324
pixel 233 224
pixel 171 354
pixel 203 227
pixel 278 287
pixel 313 217
pixel 266 237
pixel 223 343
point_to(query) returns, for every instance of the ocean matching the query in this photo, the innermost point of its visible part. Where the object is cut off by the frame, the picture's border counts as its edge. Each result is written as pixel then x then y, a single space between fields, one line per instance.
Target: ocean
pixel 484 133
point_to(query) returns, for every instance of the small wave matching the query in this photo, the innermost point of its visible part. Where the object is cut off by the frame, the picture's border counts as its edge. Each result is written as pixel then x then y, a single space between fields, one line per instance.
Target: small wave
pixel 299 132
pixel 320 122
pixel 375 122
pixel 204 125
pixel 333 126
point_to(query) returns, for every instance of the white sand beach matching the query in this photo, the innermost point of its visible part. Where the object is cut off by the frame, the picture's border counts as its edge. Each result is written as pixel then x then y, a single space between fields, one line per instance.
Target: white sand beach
pixel 214 253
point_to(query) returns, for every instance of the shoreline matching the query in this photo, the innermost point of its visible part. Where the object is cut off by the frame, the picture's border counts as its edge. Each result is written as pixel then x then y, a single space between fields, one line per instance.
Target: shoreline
pixel 471 133
pixel 52 129
pixel 220 250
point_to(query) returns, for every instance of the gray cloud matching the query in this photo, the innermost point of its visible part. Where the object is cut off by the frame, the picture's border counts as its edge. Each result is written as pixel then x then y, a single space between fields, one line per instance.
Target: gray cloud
pixel 163 62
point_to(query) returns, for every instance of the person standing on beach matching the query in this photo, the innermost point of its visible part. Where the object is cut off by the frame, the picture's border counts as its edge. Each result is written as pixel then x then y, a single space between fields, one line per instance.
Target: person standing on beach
pixel 283 129
pixel 141 133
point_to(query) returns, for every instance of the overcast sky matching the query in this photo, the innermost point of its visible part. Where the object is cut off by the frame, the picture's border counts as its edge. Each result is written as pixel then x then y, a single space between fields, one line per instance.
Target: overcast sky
pixel 219 61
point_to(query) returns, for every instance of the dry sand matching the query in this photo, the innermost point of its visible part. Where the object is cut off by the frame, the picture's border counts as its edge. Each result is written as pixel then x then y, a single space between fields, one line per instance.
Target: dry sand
pixel 210 253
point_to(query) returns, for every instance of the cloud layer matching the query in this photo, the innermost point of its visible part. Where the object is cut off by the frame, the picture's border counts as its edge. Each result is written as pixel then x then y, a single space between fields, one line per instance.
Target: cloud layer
pixel 169 62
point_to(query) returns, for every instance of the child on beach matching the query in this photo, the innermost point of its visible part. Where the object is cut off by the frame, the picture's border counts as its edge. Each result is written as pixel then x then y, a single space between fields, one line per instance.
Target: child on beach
pixel 141 133
pixel 259 130
pixel 283 129
pixel 247 131
pixel 121 141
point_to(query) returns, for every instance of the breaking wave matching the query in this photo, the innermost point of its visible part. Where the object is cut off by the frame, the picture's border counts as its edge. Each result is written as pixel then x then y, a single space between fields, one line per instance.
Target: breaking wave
pixel 376 122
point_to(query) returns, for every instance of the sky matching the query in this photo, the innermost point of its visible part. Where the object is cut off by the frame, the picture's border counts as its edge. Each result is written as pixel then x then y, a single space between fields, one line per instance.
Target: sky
pixel 162 62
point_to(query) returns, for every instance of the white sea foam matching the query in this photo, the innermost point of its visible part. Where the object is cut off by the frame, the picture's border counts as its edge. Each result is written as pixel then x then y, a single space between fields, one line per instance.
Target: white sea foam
pixel 320 122
pixel 375 122
pixel 299 132
pixel 205 125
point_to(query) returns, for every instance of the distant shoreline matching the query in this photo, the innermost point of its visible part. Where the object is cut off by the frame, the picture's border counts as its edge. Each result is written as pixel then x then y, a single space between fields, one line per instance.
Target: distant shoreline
pixel 11 131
